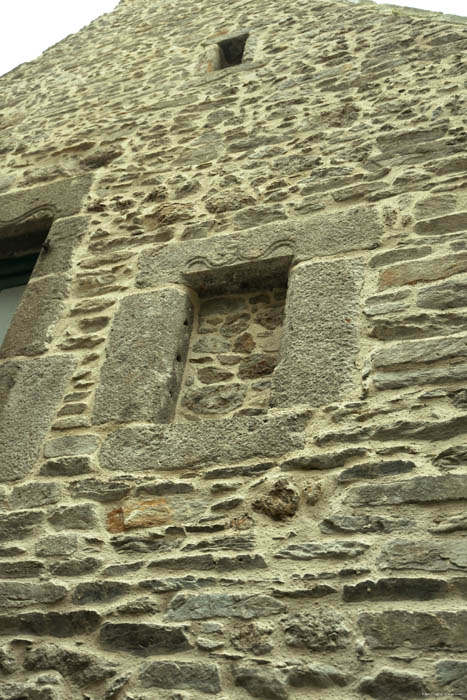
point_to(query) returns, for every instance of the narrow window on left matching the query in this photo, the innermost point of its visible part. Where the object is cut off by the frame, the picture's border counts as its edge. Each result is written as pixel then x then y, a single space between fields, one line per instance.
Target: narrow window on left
pixel 20 247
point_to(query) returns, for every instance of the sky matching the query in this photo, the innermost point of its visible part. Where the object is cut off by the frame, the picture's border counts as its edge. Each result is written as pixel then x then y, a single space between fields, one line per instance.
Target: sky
pixel 28 27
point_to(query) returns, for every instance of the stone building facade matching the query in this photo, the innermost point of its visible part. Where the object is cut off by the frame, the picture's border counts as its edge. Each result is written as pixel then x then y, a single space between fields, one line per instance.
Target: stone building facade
pixel 233 404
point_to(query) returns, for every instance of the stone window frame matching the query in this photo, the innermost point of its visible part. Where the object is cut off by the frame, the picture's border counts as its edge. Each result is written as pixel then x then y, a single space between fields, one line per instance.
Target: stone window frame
pixel 213 57
pixel 24 214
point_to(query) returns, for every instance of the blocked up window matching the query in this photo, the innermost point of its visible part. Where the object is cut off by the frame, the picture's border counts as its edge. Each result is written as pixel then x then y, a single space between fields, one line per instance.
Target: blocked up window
pixel 20 246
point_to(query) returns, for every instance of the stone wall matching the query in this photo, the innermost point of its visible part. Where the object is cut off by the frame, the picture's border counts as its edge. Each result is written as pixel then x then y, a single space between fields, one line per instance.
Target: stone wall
pixel 232 401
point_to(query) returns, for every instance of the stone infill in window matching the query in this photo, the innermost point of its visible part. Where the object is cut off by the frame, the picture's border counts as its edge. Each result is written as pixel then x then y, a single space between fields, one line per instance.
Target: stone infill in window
pixel 233 352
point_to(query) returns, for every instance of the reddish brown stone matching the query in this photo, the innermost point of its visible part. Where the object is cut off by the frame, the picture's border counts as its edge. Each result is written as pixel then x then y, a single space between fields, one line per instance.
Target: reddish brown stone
pixel 257 366
pixel 140 514
pixel 211 375
pixel 244 343
pixel 425 270
pixel 280 503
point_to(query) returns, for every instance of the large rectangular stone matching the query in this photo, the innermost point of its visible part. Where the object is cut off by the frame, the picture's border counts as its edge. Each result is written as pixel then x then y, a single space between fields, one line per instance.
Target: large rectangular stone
pixel 417 630
pixel 202 443
pixel 420 489
pixel 219 257
pixel 145 357
pixel 64 237
pixel 320 339
pixel 25 421
pixel 429 555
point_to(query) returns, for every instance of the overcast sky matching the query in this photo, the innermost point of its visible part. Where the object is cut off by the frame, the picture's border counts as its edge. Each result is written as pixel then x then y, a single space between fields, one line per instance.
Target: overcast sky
pixel 28 27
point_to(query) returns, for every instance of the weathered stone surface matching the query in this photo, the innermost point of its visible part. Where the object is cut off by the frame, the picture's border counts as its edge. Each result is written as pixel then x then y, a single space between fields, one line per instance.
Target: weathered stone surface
pixel 421 352
pixel 75 567
pixel 54 624
pixel 143 639
pixel 81 669
pixel 168 585
pixel 272 682
pixel 420 375
pixel 28 691
pixel 192 444
pixel 182 675
pixel 375 470
pixel 448 295
pixel 153 330
pixel 187 606
pixel 66 466
pixel 419 489
pixel 97 490
pixel 320 339
pixel 320 630
pixel 452 457
pixel 329 460
pixel 14 594
pixel 63 239
pixel 426 270
pixel 401 430
pixel 57 546
pixel 215 400
pixel 81 517
pixel 363 523
pixel 389 684
pixel 395 589
pixel 34 495
pixel 443 224
pixel 71 445
pixel 21 569
pixel 417 630
pixel 246 470
pixel 99 592
pixel 398 254
pixel 280 503
pixel 164 488
pixel 21 382
pixel 58 199
pixel 42 306
pixel 452 676
pixel 431 555
pixel 305 551
pixel 210 264
pixel 17 526
pixel 253 638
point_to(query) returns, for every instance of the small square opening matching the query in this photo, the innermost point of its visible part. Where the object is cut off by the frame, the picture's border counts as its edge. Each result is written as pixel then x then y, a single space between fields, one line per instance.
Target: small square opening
pixel 231 50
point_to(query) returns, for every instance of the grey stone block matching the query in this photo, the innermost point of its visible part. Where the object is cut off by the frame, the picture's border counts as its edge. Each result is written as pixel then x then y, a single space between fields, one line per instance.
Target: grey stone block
pixel 148 343
pixel 57 546
pixel 320 339
pixel 390 684
pixel 143 639
pixel 71 445
pixel 41 307
pixel 420 489
pixel 81 669
pixel 34 495
pixel 54 624
pixel 64 237
pixel 418 588
pixel 211 263
pixel 202 443
pixel 182 675
pixel 320 630
pixel 430 555
pixel 452 675
pixel 17 526
pixel 421 351
pixel 21 383
pixel 415 630
pixel 345 549
pixel 14 594
pixel 186 606
pixel 81 517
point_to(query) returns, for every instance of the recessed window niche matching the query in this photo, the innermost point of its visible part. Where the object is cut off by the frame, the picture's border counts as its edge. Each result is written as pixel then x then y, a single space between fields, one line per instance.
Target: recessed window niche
pixel 233 352
pixel 232 49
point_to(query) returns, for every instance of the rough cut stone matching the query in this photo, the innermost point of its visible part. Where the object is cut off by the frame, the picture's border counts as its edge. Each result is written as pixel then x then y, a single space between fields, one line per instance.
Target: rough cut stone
pixel 396 589
pixel 64 237
pixel 182 675
pixel 29 691
pixel 99 592
pixel 431 555
pixel 81 517
pixel 71 445
pixel 21 569
pixel 375 470
pixel 17 526
pixel 54 624
pixel 57 546
pixel 320 339
pixel 75 567
pixel 452 675
pixel 419 489
pixel 216 263
pixel 320 630
pixel 145 357
pixel 21 382
pixel 443 224
pixel 14 594
pixel 42 306
pixel 416 630
pixel 363 523
pixel 421 351
pixel 328 460
pixel 452 457
pixel 81 669
pixel 344 549
pixel 143 639
pixel 272 682
pixel 34 495
pixel 448 295
pixel 389 684
pixel 426 270
pixel 96 490
pixel 66 466
pixel 187 606
pixel 192 444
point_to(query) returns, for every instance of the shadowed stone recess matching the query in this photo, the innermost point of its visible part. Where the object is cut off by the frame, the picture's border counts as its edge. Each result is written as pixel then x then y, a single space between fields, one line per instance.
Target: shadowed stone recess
pixel 20 385
pixel 202 443
pixel 320 340
pixel 145 358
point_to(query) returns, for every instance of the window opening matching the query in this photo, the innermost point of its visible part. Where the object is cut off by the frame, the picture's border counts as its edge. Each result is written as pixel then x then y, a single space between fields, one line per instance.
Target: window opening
pixel 20 246
pixel 231 50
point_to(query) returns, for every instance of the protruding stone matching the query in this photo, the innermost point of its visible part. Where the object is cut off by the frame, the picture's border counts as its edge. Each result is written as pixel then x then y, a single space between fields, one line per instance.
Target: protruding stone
pixel 143 639
pixel 345 549
pixel 182 675
pixel 441 630
pixel 389 684
pixel 320 630
pixel 187 606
